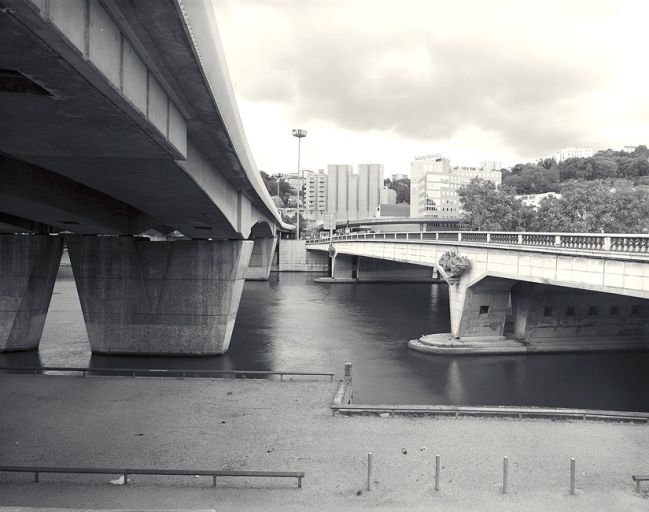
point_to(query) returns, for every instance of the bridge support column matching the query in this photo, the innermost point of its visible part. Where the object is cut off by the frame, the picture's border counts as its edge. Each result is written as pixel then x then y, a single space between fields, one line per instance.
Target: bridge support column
pixel 479 310
pixel 261 259
pixel 159 298
pixel 28 267
pixel 344 267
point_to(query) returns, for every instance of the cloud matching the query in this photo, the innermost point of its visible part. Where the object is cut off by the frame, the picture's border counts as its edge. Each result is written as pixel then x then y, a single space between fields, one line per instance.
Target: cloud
pixel 430 70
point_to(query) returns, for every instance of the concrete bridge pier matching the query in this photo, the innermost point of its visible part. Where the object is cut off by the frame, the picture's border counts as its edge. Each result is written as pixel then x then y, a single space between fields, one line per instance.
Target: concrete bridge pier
pixel 158 298
pixel 263 252
pixel 28 267
pixel 479 310
pixel 261 259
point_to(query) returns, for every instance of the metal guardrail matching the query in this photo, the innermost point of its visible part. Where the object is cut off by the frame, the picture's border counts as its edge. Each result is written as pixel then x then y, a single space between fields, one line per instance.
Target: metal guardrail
pixel 125 472
pixel 147 372
pixel 617 243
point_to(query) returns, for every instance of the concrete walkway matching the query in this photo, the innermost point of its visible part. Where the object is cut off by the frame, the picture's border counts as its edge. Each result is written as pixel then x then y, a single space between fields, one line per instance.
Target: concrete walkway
pixel 271 425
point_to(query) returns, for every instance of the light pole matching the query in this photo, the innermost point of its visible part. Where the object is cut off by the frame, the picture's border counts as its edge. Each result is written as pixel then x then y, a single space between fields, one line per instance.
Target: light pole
pixel 300 134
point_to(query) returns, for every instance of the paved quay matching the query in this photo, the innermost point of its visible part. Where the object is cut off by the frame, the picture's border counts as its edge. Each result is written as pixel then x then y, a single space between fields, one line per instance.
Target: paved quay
pixel 287 426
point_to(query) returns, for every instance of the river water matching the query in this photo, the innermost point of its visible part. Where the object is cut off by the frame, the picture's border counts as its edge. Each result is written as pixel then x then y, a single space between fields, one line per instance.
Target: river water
pixel 292 323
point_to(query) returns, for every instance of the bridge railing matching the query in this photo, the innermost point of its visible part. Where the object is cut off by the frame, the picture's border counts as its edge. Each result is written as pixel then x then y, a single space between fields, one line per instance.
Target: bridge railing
pixel 619 243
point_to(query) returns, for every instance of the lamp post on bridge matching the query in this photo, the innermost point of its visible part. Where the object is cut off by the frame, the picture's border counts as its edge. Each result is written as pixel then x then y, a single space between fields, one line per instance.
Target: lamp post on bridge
pixel 300 134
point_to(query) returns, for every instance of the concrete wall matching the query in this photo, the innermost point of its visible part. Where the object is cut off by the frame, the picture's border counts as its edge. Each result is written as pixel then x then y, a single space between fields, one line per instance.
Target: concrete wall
pixel 542 311
pixel 293 257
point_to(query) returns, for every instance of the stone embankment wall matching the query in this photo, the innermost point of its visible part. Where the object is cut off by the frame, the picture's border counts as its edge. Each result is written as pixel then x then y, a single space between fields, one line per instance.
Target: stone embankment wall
pixel 293 257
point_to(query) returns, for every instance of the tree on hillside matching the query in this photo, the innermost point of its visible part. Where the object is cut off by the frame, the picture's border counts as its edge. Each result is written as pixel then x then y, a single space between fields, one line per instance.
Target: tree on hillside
pixel 547 163
pixel 272 181
pixel 592 168
pixel 533 179
pixel 597 206
pixel 490 208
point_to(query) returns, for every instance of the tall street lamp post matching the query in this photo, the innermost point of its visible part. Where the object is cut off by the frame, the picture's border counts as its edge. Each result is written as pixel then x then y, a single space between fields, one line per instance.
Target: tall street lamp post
pixel 300 134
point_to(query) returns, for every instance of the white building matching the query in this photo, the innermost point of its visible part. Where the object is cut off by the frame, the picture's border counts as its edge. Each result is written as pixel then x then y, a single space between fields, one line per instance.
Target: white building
pixel 353 196
pixel 315 195
pixel 399 176
pixel 535 199
pixel 563 154
pixel 434 186
pixel 491 165
pixel 388 196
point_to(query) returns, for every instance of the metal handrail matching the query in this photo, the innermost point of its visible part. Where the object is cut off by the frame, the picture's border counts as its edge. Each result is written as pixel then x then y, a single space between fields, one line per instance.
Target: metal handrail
pixel 149 372
pixel 125 472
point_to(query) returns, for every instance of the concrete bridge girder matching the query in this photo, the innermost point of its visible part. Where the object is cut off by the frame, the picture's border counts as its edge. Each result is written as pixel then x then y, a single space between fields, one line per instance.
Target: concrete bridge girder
pixel 115 111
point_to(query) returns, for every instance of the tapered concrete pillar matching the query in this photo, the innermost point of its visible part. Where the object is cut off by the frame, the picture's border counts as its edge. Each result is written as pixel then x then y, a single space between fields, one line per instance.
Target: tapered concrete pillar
pixel 159 298
pixel 479 310
pixel 28 267
pixel 261 259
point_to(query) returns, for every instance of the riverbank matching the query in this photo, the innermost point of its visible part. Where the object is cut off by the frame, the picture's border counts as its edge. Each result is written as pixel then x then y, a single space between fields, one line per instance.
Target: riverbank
pixel 272 425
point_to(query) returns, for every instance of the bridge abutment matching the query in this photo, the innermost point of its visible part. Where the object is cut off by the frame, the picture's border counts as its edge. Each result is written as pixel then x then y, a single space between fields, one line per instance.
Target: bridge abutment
pixel 159 298
pixel 28 268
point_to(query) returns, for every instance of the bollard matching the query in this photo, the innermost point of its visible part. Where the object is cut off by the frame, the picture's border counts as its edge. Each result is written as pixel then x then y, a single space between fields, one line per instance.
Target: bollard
pixel 369 471
pixel 437 472
pixel 348 371
pixel 505 473
pixel 572 477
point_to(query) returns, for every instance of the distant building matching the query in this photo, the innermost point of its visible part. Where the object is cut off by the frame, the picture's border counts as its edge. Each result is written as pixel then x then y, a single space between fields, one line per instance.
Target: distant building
pixel 315 195
pixel 353 196
pixel 398 176
pixel 388 196
pixel 628 149
pixel 338 190
pixel 434 186
pixel 563 154
pixel 491 165
pixel 535 199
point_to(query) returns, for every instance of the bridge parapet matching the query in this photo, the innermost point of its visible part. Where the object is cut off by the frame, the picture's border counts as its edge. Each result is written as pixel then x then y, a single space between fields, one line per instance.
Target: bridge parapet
pixel 610 243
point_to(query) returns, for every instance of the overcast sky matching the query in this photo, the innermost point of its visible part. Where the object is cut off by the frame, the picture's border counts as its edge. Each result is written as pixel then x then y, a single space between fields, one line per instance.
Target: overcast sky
pixel 381 81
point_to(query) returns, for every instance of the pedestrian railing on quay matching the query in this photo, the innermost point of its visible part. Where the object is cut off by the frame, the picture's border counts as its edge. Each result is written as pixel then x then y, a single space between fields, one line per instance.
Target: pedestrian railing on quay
pixel 126 472
pixel 617 243
pixel 148 372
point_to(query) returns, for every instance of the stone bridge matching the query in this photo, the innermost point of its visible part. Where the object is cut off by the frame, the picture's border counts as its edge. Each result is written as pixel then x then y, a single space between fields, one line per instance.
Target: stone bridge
pixel 547 291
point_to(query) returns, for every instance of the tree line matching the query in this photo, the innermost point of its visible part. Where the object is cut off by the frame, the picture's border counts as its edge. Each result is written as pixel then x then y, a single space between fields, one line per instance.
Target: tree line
pixel 607 193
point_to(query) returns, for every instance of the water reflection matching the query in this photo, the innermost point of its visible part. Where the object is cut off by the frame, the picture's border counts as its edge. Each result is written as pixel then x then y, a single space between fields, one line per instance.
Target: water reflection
pixel 291 323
